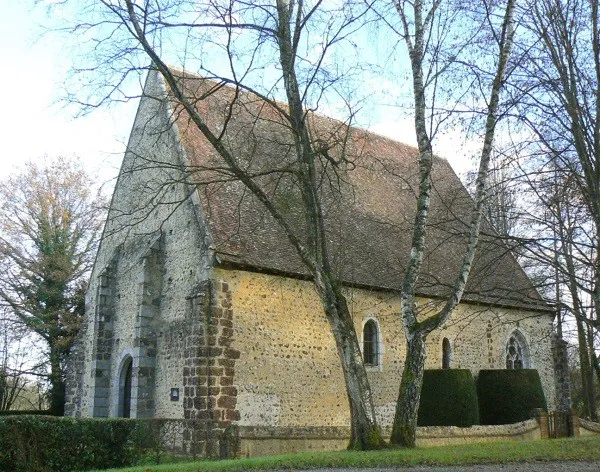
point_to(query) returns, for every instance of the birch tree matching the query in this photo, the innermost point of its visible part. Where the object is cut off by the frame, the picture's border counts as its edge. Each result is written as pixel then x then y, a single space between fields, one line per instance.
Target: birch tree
pixel 554 238
pixel 254 47
pixel 560 73
pixel 424 28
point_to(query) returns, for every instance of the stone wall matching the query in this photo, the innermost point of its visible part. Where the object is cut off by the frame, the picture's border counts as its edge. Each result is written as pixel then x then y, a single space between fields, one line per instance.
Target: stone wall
pixel 209 363
pixel 254 441
pixel 154 254
pixel 74 377
pixel 103 341
pixel 588 428
pixel 288 373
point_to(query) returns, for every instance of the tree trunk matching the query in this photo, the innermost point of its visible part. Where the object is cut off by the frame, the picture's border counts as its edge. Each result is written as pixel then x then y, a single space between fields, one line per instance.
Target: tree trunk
pixel 584 349
pixel 57 385
pixel 405 419
pixel 417 33
pixel 596 365
pixel 587 375
pixel 365 433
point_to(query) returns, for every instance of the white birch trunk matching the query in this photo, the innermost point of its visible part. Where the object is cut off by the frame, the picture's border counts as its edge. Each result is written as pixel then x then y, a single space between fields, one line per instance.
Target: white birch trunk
pixel 405 421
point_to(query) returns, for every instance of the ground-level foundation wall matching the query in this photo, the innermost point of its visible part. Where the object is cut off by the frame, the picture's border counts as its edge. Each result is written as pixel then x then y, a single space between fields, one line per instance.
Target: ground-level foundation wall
pixel 263 441
pixel 288 373
pixel 588 428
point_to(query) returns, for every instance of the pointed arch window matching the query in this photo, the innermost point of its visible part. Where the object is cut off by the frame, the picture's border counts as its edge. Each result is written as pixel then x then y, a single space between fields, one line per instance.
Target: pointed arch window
pixel 371 348
pixel 517 352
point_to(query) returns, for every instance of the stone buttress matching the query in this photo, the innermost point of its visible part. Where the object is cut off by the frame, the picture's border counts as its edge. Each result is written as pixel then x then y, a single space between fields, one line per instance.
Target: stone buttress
pixel 209 395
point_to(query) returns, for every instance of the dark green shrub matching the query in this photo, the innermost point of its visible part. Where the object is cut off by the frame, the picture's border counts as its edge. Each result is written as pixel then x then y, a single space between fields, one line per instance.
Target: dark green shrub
pixel 46 443
pixel 448 398
pixel 509 396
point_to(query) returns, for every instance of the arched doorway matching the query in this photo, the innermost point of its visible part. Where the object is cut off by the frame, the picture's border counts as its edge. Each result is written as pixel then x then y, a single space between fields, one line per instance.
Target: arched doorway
pixel 125 388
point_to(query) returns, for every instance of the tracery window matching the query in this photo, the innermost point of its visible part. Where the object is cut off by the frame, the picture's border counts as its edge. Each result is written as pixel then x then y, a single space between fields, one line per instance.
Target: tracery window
pixel 517 353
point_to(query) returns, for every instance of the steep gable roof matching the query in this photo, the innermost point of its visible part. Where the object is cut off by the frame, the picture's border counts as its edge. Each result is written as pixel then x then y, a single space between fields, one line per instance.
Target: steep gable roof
pixel 368 188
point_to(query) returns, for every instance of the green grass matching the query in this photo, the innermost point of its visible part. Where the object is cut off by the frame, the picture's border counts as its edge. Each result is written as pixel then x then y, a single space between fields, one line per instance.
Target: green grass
pixel 497 452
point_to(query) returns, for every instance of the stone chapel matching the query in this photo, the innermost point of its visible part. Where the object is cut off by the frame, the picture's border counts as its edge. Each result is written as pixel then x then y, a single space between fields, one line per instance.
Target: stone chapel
pixel 198 307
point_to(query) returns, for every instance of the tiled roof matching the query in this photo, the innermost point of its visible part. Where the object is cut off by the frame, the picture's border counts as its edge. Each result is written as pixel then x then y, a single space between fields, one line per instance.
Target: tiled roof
pixel 368 202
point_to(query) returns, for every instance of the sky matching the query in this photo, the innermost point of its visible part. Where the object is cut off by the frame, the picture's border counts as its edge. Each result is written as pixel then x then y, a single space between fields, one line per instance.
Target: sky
pixel 37 125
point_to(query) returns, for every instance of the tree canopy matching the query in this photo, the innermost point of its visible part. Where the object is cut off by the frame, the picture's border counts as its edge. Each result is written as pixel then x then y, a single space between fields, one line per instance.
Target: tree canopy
pixel 49 226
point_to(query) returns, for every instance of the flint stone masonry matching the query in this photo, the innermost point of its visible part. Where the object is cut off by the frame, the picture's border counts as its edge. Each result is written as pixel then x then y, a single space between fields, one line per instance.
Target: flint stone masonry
pixel 153 270
pixel 288 373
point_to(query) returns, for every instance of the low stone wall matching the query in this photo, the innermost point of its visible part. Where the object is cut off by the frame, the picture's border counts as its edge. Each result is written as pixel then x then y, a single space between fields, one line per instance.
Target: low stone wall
pixel 269 440
pixel 446 435
pixel 588 428
pixel 205 438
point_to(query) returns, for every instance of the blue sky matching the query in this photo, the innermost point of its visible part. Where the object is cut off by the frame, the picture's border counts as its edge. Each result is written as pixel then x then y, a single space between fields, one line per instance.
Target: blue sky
pixel 34 123
pixel 37 125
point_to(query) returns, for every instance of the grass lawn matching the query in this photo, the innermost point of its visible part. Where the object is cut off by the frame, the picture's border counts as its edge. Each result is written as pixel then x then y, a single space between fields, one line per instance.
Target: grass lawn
pixel 509 451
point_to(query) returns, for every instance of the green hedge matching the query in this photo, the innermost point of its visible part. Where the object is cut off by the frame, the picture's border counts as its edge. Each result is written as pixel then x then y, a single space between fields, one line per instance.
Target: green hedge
pixel 448 398
pixel 509 396
pixel 47 443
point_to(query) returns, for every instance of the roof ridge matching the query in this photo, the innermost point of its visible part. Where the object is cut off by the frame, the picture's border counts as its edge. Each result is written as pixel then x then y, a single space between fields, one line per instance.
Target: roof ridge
pixel 229 83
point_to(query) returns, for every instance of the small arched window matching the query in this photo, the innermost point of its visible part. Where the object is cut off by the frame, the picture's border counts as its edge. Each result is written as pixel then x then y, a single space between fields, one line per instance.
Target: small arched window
pixel 446 354
pixel 517 352
pixel 371 343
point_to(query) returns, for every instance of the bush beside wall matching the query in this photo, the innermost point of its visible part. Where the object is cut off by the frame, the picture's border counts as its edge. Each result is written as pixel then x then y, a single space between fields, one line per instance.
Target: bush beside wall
pixel 509 396
pixel 448 398
pixel 45 443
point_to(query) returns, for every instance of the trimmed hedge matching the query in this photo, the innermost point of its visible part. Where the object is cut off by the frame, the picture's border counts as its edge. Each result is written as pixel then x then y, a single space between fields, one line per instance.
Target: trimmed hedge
pixel 49 443
pixel 509 396
pixel 448 398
